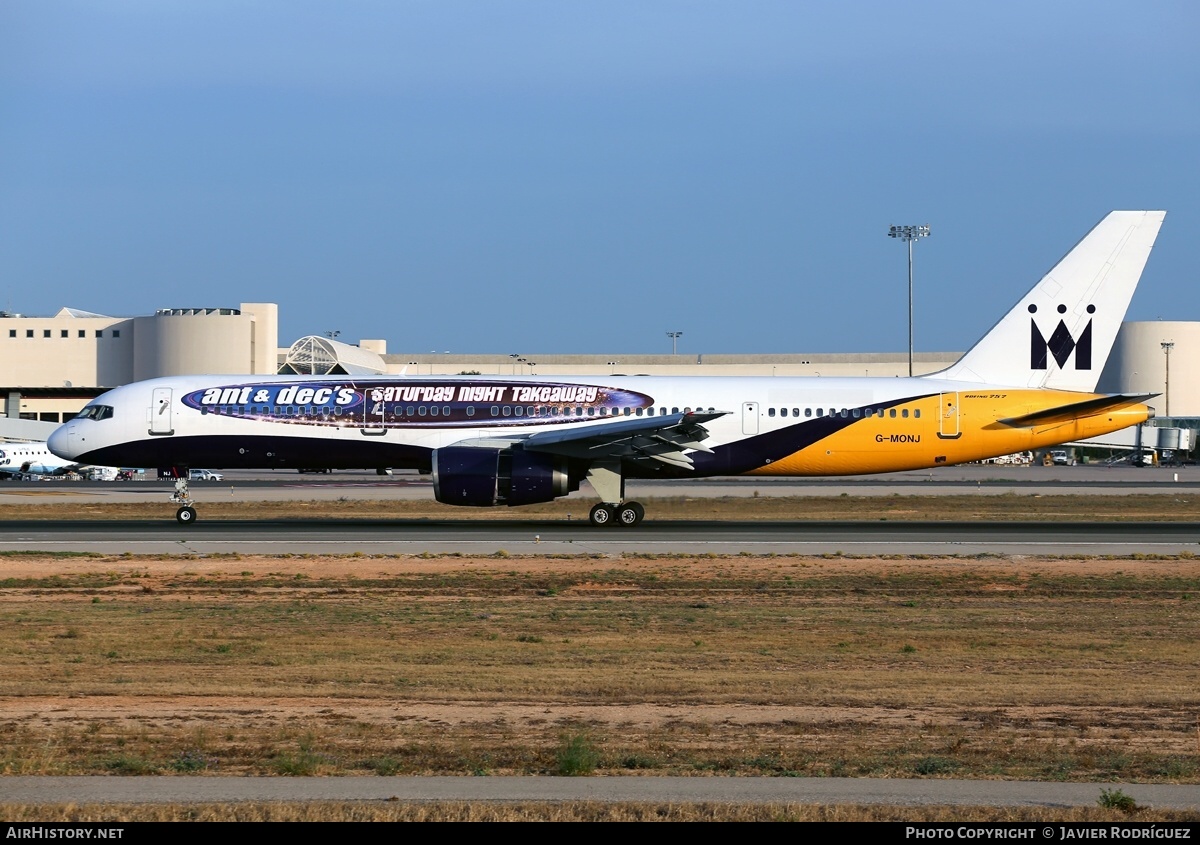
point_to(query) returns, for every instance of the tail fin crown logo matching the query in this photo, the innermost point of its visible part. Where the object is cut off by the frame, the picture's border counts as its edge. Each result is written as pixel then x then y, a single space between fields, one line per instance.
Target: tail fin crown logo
pixel 1061 343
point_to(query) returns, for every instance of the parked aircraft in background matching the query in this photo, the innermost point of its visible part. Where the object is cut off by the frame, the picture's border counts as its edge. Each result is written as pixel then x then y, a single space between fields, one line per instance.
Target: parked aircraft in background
pixel 1028 384
pixel 35 458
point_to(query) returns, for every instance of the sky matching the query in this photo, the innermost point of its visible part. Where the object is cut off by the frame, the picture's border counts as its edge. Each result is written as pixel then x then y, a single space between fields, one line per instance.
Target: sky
pixel 571 177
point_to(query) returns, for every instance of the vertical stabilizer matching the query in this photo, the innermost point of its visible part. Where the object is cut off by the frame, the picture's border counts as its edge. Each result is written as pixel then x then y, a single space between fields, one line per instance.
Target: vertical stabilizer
pixel 1059 335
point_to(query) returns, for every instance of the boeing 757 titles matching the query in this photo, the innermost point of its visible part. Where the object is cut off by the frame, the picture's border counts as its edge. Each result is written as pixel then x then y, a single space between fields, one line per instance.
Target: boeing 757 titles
pixel 1028 384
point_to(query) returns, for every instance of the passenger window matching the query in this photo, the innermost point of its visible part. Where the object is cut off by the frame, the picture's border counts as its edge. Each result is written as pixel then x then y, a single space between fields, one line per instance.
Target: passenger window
pixel 856 413
pixel 495 411
pixel 770 412
pixel 892 413
pixel 808 412
pixel 507 411
pixel 470 410
pixel 422 411
pixel 904 413
pixel 917 413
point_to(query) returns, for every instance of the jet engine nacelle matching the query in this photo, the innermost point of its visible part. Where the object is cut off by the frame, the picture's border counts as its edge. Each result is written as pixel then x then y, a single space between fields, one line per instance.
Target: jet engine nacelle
pixel 482 477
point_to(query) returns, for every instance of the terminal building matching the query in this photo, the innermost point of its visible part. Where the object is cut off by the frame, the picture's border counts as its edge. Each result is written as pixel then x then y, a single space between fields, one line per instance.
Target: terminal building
pixel 50 367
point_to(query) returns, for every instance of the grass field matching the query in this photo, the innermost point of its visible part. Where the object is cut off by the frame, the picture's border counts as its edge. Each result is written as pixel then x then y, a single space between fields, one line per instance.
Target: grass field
pixel 1071 669
pixel 988 667
pixel 571 812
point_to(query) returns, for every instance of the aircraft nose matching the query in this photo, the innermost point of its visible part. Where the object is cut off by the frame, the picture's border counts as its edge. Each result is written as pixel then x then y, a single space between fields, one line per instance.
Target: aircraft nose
pixel 59 442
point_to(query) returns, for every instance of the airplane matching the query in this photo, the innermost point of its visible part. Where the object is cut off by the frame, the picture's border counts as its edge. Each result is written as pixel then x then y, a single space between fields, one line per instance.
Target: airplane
pixel 494 440
pixel 35 458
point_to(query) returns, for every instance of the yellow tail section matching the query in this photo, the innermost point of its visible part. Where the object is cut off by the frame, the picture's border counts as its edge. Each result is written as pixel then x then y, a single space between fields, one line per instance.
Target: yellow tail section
pixel 954 428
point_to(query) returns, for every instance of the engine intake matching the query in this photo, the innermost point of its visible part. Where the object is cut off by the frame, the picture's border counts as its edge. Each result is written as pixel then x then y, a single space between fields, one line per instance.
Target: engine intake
pixel 480 477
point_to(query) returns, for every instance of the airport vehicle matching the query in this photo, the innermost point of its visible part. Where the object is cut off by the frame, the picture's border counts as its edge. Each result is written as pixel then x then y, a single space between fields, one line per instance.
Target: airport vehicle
pixel 1061 458
pixel 497 440
pixel 204 475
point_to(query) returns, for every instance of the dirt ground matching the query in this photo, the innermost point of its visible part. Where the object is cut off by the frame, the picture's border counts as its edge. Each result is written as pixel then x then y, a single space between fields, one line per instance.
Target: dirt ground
pixel 1152 725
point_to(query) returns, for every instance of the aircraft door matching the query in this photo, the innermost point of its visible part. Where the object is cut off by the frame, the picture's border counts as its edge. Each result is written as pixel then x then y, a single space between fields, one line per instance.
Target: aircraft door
pixel 948 417
pixel 374 409
pixel 162 422
pixel 749 418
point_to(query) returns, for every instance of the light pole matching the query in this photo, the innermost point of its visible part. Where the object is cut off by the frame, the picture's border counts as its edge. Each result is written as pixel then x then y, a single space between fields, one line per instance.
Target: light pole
pixel 908 234
pixel 674 340
pixel 1167 346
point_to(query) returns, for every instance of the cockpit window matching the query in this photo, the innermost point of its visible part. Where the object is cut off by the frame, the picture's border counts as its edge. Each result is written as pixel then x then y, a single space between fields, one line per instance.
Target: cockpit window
pixel 95 412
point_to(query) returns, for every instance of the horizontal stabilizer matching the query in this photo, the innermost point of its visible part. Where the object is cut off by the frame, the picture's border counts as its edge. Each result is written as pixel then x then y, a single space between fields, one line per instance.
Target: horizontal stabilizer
pixel 1075 410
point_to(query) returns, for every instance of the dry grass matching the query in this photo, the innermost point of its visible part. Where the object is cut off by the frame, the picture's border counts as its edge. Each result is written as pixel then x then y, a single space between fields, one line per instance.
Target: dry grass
pixel 564 812
pixel 1067 669
pixel 1003 507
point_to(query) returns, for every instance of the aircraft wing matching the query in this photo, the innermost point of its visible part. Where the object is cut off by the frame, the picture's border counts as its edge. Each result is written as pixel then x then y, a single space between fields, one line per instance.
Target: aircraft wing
pixel 1075 410
pixel 661 439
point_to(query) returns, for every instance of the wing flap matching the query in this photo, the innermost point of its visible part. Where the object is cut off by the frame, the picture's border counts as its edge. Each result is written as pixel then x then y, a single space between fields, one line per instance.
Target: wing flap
pixel 663 439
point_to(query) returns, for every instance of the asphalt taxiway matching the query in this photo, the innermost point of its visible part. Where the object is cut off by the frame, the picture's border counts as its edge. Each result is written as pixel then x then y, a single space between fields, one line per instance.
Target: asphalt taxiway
pixel 757 790
pixel 481 537
pixel 158 532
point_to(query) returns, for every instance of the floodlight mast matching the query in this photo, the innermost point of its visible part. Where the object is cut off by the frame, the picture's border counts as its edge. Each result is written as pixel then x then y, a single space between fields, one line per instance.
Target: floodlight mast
pixel 1167 346
pixel 908 234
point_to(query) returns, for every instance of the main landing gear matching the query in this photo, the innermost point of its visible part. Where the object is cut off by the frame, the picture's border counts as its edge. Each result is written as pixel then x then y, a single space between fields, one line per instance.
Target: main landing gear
pixel 608 480
pixel 626 515
pixel 186 514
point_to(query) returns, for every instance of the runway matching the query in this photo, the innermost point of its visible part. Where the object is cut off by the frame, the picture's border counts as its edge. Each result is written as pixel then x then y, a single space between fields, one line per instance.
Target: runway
pixel 757 790
pixel 530 537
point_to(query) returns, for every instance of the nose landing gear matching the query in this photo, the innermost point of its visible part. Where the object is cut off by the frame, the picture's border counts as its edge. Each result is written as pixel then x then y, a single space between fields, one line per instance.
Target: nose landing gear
pixel 186 514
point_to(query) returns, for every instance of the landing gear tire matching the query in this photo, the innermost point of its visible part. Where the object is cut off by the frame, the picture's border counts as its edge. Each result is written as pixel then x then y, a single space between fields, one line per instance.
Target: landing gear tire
pixel 185 515
pixel 630 514
pixel 602 515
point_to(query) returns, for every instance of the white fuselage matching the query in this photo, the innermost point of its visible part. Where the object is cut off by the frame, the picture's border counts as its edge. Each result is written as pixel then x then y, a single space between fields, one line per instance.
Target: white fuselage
pixel 792 426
